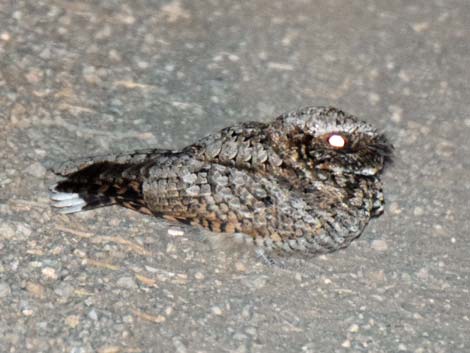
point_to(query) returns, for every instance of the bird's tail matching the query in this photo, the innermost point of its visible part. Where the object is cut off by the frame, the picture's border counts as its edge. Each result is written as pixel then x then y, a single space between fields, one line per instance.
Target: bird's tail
pixel 92 183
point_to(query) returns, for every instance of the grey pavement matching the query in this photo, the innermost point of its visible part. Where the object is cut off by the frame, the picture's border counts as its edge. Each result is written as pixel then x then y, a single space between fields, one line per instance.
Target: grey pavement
pixel 89 77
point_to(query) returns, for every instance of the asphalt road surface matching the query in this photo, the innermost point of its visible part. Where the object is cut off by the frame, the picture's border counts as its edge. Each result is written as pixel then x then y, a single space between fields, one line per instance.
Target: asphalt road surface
pixel 88 77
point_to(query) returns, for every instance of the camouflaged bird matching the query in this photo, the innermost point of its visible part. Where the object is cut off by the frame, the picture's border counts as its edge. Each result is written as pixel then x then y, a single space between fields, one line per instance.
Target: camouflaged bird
pixel 308 181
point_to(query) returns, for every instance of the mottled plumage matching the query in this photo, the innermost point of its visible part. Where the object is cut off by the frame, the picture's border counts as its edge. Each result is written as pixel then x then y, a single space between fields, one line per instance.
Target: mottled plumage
pixel 307 181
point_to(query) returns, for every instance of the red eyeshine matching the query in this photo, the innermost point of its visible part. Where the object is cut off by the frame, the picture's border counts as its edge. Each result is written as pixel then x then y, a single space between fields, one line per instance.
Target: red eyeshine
pixel 337 141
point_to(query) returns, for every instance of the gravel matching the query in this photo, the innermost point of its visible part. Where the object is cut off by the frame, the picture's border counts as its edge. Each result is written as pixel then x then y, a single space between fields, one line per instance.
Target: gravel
pixel 82 78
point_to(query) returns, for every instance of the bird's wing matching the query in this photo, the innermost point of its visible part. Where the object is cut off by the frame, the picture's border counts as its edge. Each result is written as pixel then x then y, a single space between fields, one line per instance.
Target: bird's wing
pixel 244 146
pixel 217 197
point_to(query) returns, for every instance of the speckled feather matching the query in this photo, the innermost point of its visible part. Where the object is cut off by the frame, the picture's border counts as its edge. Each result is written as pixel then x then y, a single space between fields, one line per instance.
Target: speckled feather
pixel 281 184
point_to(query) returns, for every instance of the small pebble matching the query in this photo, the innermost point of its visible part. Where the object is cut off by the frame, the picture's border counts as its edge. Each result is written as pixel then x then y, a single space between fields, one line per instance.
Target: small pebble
pixel 36 289
pixel 5 290
pixel 374 98
pixel 376 276
pixel 35 264
pixel 127 282
pixel 151 269
pixel 36 170
pixel 251 331
pixel 128 319
pixel 5 36
pixel 170 248
pixel 346 344
pixel 181 278
pixel 255 282
pixel 79 253
pixel 405 277
pixel 395 208
pixel 418 211
pixel 6 231
pixel 240 267
pixel 175 232
pixel 404 76
pixel 93 315
pixel 199 275
pixel 354 328
pixel 50 273
pixel 397 113
pixel 423 274
pixel 110 349
pixel 438 230
pixel 64 290
pixel 216 310
pixel 420 26
pixel 114 222
pixel 379 245
pixel 72 321
pixel 23 230
pixel 27 312
pixel 180 347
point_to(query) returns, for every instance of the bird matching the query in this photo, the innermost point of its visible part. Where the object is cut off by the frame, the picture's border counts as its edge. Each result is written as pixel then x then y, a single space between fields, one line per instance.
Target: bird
pixel 309 181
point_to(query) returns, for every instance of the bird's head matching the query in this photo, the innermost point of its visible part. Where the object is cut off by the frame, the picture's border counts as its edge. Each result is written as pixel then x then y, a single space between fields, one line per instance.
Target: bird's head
pixel 329 140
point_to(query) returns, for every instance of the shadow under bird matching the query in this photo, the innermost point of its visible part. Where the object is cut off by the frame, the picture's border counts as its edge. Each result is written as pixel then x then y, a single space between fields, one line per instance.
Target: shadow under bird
pixel 308 181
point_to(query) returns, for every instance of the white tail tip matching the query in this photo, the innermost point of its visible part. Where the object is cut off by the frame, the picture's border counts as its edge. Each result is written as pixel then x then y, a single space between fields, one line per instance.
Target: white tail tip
pixel 66 202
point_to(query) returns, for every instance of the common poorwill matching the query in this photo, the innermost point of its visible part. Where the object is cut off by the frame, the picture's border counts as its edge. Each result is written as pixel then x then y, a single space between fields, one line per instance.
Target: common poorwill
pixel 308 181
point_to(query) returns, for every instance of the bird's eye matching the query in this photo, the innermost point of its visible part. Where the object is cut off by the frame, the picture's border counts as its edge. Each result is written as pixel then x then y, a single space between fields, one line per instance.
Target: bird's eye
pixel 336 140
